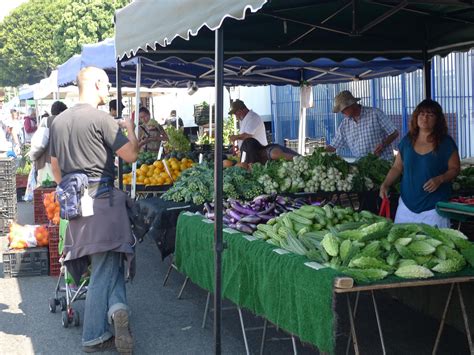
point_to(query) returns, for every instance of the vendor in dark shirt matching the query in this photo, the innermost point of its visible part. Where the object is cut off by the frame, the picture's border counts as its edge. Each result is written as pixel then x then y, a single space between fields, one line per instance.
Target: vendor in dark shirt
pixel 257 153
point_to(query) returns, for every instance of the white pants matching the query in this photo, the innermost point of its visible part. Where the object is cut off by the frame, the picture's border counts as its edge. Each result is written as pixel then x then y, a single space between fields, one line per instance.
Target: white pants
pixel 431 217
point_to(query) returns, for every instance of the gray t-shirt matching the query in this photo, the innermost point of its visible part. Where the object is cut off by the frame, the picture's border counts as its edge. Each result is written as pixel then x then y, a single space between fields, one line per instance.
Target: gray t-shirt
pixel 84 139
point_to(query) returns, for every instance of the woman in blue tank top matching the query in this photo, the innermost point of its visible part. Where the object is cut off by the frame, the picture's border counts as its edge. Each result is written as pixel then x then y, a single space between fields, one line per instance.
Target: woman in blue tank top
pixel 428 161
pixel 257 153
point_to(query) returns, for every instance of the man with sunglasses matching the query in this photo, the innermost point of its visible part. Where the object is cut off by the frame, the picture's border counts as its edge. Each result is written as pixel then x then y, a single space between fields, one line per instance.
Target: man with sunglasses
pixel 251 124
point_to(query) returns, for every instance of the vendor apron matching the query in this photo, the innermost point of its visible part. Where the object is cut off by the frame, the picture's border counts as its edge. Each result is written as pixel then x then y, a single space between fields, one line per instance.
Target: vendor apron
pixel 431 217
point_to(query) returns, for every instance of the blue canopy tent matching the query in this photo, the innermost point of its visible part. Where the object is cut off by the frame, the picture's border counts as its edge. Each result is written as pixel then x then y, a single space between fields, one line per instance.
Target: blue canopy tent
pixel 27 93
pixel 175 72
pixel 100 55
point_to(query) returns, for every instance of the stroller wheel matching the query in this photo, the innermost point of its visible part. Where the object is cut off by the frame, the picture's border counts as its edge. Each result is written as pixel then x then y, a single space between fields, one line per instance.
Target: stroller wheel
pixel 65 319
pixel 52 305
pixel 76 320
pixel 63 303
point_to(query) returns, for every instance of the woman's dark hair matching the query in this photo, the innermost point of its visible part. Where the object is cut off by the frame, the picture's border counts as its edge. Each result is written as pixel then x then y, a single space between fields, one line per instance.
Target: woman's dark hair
pixel 144 109
pixel 254 151
pixel 58 107
pixel 440 129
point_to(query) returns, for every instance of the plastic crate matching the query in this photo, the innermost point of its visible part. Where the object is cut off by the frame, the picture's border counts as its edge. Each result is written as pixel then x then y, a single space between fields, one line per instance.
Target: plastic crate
pixel 310 144
pixel 8 206
pixel 54 265
pixel 5 225
pixel 7 168
pixel 8 186
pixel 40 216
pixel 25 262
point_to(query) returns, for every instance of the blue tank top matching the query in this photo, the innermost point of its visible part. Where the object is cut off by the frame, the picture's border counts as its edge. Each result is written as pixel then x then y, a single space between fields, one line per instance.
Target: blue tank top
pixel 419 168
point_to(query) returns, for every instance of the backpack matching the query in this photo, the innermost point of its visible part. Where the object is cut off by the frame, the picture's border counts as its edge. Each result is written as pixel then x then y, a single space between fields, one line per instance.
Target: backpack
pixel 29 124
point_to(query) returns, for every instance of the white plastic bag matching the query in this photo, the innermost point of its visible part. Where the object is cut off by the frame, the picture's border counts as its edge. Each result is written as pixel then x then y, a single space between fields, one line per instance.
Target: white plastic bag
pixel 39 142
pixel 31 185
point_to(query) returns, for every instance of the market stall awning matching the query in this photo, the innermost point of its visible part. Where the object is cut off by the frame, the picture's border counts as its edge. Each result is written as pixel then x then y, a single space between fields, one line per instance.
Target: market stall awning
pixel 174 72
pixel 304 29
pixel 27 92
pixel 145 24
pixel 100 55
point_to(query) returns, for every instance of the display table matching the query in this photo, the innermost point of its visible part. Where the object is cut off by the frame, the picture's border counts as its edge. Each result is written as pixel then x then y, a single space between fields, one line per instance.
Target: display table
pixel 457 211
pixel 460 212
pixel 281 287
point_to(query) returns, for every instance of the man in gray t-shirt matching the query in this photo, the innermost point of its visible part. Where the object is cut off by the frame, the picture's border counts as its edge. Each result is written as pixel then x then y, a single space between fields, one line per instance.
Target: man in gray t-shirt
pixel 84 140
pixel 91 148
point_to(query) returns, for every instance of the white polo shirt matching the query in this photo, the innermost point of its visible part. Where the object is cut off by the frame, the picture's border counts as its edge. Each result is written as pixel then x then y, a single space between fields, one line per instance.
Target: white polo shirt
pixel 253 124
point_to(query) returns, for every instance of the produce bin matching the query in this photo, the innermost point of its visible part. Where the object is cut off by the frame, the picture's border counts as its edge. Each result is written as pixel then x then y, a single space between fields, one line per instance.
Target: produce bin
pixel 25 262
pixel 40 216
pixel 21 180
pixel 53 243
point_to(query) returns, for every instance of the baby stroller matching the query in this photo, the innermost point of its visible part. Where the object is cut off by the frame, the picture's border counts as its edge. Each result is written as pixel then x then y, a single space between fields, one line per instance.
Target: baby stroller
pixel 66 295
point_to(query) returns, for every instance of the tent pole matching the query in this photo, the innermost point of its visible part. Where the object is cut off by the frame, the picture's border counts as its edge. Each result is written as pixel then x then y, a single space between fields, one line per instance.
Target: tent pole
pixel 137 108
pixel 218 181
pixel 118 85
pixel 426 75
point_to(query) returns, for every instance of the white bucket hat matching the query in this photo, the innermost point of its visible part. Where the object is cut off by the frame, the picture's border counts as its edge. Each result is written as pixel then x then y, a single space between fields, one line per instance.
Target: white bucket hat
pixel 343 100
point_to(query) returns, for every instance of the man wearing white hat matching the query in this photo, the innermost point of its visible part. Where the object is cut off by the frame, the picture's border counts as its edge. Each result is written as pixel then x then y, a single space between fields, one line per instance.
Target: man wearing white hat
pixel 364 129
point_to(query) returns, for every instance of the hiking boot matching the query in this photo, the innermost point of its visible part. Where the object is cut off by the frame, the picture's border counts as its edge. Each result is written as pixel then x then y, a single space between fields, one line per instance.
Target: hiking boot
pixel 123 338
pixel 108 345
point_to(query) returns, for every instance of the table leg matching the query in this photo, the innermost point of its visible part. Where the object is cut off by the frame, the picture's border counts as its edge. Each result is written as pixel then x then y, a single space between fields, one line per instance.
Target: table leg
pixel 182 287
pixel 264 334
pixel 206 310
pixel 351 320
pixel 293 341
pixel 349 339
pixel 379 325
pixel 244 335
pixel 443 318
pixel 466 320
pixel 172 266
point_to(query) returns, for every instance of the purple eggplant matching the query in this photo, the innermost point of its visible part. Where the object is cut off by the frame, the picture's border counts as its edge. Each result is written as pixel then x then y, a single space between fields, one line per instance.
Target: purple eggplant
pixel 241 209
pixel 244 228
pixel 280 200
pixel 265 217
pixel 269 209
pixel 260 198
pixel 226 220
pixel 207 207
pixel 210 215
pixel 232 225
pixel 251 219
pixel 253 226
pixel 234 214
